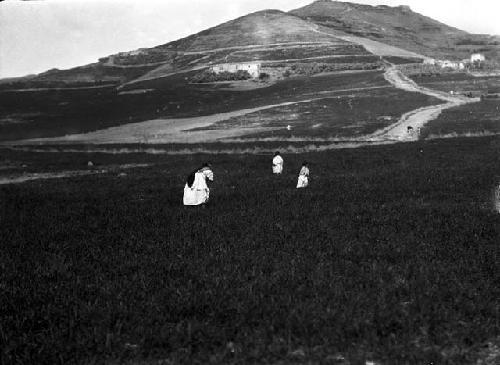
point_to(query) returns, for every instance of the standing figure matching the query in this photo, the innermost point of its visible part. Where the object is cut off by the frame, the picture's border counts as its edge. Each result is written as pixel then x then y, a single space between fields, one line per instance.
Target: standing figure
pixel 196 191
pixel 277 163
pixel 497 199
pixel 303 180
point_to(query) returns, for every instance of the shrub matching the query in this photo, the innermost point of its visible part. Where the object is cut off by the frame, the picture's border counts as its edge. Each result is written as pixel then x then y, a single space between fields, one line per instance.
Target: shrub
pixel 264 76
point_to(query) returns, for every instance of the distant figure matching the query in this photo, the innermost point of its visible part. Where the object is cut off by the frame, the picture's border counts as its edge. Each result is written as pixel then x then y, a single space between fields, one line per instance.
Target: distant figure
pixel 196 191
pixel 289 127
pixel 277 163
pixel 90 164
pixel 303 181
pixel 497 199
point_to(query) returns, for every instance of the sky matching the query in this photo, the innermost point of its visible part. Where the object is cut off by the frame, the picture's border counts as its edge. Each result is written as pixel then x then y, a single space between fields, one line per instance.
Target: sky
pixel 42 34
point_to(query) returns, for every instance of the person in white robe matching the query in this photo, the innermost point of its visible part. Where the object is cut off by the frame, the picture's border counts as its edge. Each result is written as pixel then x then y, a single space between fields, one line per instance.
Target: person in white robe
pixel 497 199
pixel 303 180
pixel 277 163
pixel 196 191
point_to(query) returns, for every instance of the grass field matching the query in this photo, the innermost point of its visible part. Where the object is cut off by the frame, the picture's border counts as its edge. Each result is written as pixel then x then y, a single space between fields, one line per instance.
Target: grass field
pixel 460 82
pixel 481 118
pixel 56 113
pixel 343 116
pixel 390 256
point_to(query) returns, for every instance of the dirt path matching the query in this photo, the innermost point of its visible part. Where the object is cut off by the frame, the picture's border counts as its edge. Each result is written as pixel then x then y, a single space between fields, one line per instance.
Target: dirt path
pixel 417 118
pixel 17 179
pixel 377 48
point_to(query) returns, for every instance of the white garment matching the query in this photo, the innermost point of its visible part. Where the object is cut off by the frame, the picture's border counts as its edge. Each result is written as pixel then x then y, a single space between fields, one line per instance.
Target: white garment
pixel 497 199
pixel 199 192
pixel 303 180
pixel 277 164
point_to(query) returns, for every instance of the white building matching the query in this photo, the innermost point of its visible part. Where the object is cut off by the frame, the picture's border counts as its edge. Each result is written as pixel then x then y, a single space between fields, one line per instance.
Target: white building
pixel 477 57
pixel 252 68
pixel 449 64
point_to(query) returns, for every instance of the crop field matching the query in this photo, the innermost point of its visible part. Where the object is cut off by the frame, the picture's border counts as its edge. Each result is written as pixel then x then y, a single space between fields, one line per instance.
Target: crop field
pixel 95 74
pixel 390 256
pixel 61 112
pixel 296 53
pixel 349 115
pixel 481 118
pixel 364 59
pixel 402 60
pixel 460 82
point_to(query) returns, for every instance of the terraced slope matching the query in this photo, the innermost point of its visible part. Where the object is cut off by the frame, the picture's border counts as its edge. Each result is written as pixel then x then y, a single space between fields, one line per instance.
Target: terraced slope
pixel 398 26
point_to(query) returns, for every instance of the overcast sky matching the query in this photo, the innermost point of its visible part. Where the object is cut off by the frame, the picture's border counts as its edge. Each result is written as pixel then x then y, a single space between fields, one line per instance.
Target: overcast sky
pixel 38 35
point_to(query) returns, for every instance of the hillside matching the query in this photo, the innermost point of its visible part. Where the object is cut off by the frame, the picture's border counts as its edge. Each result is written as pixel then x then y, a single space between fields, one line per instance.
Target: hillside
pixel 261 28
pixel 322 29
pixel 266 36
pixel 398 26
pixel 327 50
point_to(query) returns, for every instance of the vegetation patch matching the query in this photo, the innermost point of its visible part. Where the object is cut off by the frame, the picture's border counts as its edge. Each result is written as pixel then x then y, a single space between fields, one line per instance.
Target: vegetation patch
pixel 61 112
pixel 481 118
pixel 297 52
pixel 210 76
pixel 340 116
pixel 460 83
pixel 389 257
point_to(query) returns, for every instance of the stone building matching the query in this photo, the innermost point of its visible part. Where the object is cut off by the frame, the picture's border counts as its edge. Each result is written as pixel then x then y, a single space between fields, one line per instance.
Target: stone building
pixel 252 68
pixel 477 57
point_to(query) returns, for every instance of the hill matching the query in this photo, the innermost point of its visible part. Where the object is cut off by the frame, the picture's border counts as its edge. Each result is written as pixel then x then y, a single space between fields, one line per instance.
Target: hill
pixel 327 56
pixel 263 35
pixel 398 26
pixel 269 35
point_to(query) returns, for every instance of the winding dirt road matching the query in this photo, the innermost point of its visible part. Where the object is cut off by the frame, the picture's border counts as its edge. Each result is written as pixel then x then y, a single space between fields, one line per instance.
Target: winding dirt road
pixel 417 118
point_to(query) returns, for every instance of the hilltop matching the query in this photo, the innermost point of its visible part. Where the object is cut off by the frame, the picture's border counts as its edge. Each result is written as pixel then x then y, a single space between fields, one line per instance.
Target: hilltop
pixel 264 27
pixel 268 28
pixel 398 30
pixel 398 26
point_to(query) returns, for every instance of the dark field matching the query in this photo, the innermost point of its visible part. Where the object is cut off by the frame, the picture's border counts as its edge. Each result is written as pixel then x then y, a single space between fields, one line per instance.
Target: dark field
pixel 460 82
pixel 61 112
pixel 390 256
pixel 90 75
pixel 481 118
pixel 348 116
pixel 402 60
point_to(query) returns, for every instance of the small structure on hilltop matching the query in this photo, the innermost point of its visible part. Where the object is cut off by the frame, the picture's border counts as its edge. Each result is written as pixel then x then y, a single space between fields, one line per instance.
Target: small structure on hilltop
pixel 253 68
